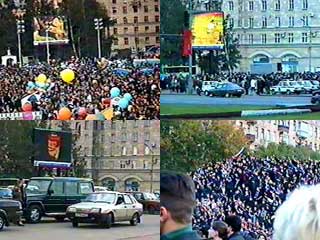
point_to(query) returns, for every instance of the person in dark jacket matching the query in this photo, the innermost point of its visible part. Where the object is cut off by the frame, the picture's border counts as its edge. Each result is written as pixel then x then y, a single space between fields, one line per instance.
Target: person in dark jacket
pixel 177 202
pixel 234 227
pixel 18 195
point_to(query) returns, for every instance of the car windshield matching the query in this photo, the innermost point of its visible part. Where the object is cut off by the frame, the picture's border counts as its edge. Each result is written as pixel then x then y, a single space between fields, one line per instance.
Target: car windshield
pixel 150 196
pixel 38 187
pixel 5 193
pixel 101 197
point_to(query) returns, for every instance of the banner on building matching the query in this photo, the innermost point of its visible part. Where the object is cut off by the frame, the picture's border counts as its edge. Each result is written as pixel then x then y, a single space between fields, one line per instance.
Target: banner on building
pixel 53 146
pixel 207 31
pixel 52 29
pixel 187 43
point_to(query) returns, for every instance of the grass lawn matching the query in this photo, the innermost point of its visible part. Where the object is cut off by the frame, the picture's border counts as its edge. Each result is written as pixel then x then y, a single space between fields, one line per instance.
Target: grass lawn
pixel 305 116
pixel 172 109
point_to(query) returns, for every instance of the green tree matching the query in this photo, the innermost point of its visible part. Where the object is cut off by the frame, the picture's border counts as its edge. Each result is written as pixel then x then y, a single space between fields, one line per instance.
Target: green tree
pixel 171 28
pixel 187 145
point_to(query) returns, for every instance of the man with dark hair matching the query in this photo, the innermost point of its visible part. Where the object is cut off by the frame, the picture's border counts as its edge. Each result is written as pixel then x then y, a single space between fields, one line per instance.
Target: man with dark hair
pixel 177 195
pixel 234 226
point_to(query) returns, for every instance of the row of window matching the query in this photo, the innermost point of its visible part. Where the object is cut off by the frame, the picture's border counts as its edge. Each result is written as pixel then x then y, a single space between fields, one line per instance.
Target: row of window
pixel 137 40
pixel 125 9
pixel 278 38
pixel 136 19
pixel 265 22
pixel 264 6
pixel 136 30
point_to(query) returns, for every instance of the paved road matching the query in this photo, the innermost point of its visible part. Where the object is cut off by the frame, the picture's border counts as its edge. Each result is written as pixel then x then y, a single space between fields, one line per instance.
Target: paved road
pixel 245 100
pixel 51 230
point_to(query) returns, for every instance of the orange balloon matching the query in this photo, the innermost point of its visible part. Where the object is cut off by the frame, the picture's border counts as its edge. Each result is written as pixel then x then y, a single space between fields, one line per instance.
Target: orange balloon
pixel 64 114
pixel 91 117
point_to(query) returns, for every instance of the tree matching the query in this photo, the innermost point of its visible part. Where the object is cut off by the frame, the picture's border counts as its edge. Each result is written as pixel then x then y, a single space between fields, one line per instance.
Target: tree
pixel 172 24
pixel 188 145
pixel 284 151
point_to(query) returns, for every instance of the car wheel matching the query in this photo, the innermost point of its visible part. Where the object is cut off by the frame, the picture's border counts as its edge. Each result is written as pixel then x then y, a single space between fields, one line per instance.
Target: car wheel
pixel 288 92
pixel 2 222
pixel 34 214
pixel 60 218
pixel 75 224
pixel 206 93
pixel 134 220
pixel 239 96
pixel 227 95
pixel 108 221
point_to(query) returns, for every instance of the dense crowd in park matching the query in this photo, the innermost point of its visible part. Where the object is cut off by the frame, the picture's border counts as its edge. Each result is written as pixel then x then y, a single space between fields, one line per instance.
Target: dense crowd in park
pixel 250 188
pixel 136 89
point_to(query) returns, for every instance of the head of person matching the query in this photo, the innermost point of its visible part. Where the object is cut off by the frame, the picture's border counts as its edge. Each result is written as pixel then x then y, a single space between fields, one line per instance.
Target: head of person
pixel 218 231
pixel 177 200
pixel 298 218
pixel 234 224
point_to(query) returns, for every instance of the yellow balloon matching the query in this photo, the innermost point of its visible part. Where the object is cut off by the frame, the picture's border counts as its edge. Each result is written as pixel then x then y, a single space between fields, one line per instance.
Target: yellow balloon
pixel 108 113
pixel 42 78
pixel 67 75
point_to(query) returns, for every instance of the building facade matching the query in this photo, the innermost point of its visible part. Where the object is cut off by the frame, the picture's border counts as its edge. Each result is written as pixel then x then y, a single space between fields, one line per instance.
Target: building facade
pixel 122 155
pixel 276 35
pixel 137 23
pixel 291 132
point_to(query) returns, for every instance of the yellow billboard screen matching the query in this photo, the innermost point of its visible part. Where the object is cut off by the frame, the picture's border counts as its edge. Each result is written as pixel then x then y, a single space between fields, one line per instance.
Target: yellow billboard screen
pixel 52 29
pixel 207 31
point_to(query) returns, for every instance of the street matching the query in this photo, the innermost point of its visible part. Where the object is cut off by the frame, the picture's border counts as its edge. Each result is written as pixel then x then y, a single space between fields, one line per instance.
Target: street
pixel 51 230
pixel 285 100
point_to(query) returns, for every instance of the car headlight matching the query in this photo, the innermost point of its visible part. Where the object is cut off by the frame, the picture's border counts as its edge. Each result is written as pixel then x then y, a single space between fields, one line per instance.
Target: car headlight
pixel 71 209
pixel 95 210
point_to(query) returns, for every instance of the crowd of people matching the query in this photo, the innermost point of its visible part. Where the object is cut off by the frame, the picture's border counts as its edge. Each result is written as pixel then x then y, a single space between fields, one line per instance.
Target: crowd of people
pixel 252 83
pixel 90 89
pixel 250 188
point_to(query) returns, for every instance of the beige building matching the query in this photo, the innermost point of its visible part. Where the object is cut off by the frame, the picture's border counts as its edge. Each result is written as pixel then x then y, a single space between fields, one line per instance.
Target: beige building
pixel 291 132
pixel 138 23
pixel 123 155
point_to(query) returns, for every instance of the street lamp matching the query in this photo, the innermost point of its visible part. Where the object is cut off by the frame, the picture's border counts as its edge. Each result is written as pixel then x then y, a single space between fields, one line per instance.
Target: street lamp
pixel 153 162
pixel 20 30
pixel 47 43
pixel 98 23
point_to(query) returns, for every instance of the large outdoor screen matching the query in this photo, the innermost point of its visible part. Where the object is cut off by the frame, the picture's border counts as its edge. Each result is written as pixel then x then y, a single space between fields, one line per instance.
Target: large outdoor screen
pixel 207 31
pixel 53 146
pixel 56 26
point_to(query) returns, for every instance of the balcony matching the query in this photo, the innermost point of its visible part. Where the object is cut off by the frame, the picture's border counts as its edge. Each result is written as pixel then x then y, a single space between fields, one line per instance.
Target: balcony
pixel 283 128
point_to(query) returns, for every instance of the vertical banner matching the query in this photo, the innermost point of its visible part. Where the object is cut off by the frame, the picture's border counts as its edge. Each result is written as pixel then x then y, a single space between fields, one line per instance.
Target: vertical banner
pixel 187 43
pixel 207 31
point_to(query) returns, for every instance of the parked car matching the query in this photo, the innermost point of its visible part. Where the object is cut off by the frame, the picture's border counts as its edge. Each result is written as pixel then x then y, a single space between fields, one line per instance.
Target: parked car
pixel 6 193
pixel 100 189
pixel 287 87
pixel 51 196
pixel 106 208
pixel 316 84
pixel 157 194
pixel 10 212
pixel 307 86
pixel 227 89
pixel 315 99
pixel 150 202
pixel 5 182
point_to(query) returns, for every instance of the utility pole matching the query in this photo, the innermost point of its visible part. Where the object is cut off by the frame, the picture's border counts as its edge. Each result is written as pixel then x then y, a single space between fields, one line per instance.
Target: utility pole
pixel 190 80
pixel 47 44
pixel 98 23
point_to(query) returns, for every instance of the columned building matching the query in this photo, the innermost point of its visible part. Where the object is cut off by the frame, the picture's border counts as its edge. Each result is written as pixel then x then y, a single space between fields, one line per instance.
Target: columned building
pixel 291 132
pixel 276 35
pixel 137 23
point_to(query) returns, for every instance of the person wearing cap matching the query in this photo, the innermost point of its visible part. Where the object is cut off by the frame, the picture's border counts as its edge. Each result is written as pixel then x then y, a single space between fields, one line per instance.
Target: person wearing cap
pixel 177 201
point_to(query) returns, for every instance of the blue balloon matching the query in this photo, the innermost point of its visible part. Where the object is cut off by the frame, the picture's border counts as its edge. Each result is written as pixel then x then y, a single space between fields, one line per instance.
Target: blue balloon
pixel 123 103
pixel 31 85
pixel 100 117
pixel 127 96
pixel 115 92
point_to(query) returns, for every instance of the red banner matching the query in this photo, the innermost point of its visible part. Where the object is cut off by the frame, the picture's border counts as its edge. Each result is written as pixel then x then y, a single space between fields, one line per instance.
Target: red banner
pixel 187 43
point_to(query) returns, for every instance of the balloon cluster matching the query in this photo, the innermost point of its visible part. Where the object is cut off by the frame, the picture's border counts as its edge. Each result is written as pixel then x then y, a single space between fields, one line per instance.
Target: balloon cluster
pixel 123 102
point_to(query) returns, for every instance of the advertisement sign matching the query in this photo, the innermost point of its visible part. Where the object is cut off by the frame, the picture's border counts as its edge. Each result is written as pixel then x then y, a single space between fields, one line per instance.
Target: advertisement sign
pixel 55 146
pixel 57 29
pixel 207 31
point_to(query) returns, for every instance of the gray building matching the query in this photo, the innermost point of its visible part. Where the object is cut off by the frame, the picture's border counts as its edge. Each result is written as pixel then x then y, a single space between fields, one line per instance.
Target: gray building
pixel 276 35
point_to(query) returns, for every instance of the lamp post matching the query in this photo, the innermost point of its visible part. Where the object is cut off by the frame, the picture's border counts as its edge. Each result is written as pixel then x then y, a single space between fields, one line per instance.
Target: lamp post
pixel 98 24
pixel 153 162
pixel 47 44
pixel 20 30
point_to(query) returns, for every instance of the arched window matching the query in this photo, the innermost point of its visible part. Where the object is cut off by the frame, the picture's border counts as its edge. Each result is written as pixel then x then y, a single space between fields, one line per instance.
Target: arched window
pixel 132 184
pixel 261 58
pixel 110 183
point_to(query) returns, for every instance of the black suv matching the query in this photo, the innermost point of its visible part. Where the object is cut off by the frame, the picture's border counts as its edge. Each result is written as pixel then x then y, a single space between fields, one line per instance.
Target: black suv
pixel 51 196
pixel 10 212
